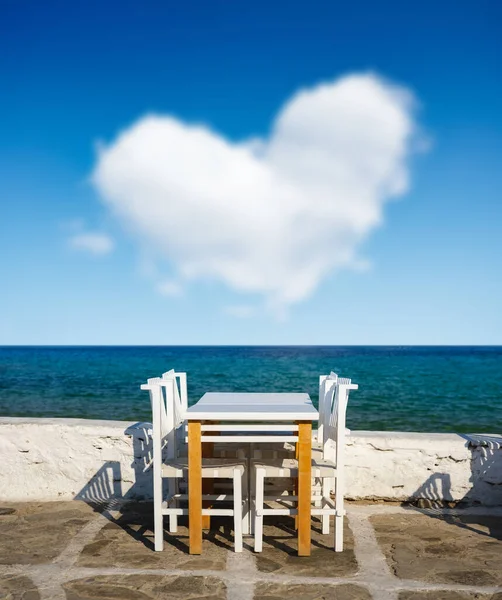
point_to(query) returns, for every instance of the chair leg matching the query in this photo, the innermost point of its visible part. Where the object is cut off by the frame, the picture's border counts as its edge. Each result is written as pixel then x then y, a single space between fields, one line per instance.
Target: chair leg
pixel 158 521
pixel 326 488
pixel 252 497
pixel 258 519
pixel 339 533
pixel 339 506
pixel 237 510
pixel 173 519
pixel 245 501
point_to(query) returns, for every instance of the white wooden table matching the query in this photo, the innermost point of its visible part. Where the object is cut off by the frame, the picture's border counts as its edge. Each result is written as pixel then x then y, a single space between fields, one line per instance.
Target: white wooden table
pixel 256 407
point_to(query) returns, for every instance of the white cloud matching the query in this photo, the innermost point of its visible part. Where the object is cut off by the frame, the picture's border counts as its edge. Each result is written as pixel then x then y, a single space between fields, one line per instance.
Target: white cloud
pixel 94 243
pixel 170 288
pixel 269 217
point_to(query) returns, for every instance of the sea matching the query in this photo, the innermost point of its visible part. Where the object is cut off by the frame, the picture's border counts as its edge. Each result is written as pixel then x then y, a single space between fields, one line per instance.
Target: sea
pixel 401 388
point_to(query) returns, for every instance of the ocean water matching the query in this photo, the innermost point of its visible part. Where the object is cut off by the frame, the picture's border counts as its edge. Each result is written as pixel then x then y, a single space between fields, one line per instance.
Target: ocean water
pixel 400 388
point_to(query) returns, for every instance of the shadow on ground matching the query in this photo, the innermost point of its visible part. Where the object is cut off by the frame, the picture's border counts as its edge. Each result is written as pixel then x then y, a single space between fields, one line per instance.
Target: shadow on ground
pixel 437 541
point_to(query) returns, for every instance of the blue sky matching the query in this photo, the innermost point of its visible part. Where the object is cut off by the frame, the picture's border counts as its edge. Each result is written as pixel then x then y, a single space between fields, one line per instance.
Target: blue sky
pixel 74 75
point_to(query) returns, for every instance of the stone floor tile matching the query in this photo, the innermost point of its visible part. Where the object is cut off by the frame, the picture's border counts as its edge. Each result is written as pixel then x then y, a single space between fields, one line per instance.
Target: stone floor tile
pixel 280 546
pixel 37 532
pixel 17 587
pixel 440 548
pixel 278 591
pixel 447 595
pixel 145 587
pixel 128 542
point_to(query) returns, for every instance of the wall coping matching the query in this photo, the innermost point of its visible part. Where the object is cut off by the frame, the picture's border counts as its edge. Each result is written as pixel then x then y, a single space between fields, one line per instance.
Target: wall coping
pixel 360 433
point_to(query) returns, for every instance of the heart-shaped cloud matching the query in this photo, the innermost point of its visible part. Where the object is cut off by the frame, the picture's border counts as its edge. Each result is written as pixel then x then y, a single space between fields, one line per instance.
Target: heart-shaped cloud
pixel 273 216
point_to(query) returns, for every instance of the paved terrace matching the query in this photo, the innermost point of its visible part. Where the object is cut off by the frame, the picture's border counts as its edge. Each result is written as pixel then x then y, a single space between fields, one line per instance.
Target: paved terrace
pixel 74 551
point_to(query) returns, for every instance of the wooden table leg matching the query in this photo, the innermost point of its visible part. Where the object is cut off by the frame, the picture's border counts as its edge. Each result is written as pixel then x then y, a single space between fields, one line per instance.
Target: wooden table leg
pixel 195 487
pixel 304 486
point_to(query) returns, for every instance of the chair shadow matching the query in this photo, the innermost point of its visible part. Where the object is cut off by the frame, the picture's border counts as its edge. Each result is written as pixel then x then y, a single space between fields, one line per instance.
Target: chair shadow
pixel 104 491
pixel 486 482
pixel 285 525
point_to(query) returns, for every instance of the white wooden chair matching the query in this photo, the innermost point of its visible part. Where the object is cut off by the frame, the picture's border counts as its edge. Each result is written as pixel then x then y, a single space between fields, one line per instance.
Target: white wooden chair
pixel 326 382
pixel 328 465
pixel 168 407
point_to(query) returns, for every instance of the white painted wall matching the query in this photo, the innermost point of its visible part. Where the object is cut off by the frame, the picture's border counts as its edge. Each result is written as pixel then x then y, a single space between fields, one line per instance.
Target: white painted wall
pixel 52 459
pixel 435 466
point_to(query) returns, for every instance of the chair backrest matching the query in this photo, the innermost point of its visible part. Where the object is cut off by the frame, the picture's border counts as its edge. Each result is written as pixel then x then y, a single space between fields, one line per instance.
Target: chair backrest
pixel 326 386
pixel 168 397
pixel 177 397
pixel 162 417
pixel 177 393
pixel 335 409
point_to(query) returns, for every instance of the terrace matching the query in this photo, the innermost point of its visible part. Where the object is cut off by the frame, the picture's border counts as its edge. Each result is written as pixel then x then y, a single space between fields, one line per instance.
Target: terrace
pixel 74 550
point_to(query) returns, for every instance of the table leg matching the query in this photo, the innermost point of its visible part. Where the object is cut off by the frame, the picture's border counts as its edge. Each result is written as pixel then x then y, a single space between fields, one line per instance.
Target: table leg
pixel 304 486
pixel 195 487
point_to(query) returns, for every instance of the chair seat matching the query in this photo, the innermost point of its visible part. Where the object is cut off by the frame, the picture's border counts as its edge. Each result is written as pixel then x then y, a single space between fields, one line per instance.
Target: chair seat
pixel 289 467
pixel 211 467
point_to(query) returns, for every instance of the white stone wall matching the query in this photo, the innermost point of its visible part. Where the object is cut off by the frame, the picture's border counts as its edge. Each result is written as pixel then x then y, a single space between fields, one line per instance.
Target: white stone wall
pixel 52 459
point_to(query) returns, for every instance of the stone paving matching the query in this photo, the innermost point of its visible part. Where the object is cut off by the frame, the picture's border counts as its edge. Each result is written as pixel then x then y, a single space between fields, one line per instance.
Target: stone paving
pixel 75 551
pixel 461 549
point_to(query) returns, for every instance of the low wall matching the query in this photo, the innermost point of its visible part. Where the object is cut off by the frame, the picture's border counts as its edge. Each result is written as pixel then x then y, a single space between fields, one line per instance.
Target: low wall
pixel 56 459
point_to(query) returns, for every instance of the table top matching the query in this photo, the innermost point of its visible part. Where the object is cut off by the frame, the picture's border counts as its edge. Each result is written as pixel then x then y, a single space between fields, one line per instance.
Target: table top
pixel 232 406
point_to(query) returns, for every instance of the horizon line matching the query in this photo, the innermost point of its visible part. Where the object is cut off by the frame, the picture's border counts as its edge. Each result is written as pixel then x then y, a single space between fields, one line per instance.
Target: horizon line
pixel 395 345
